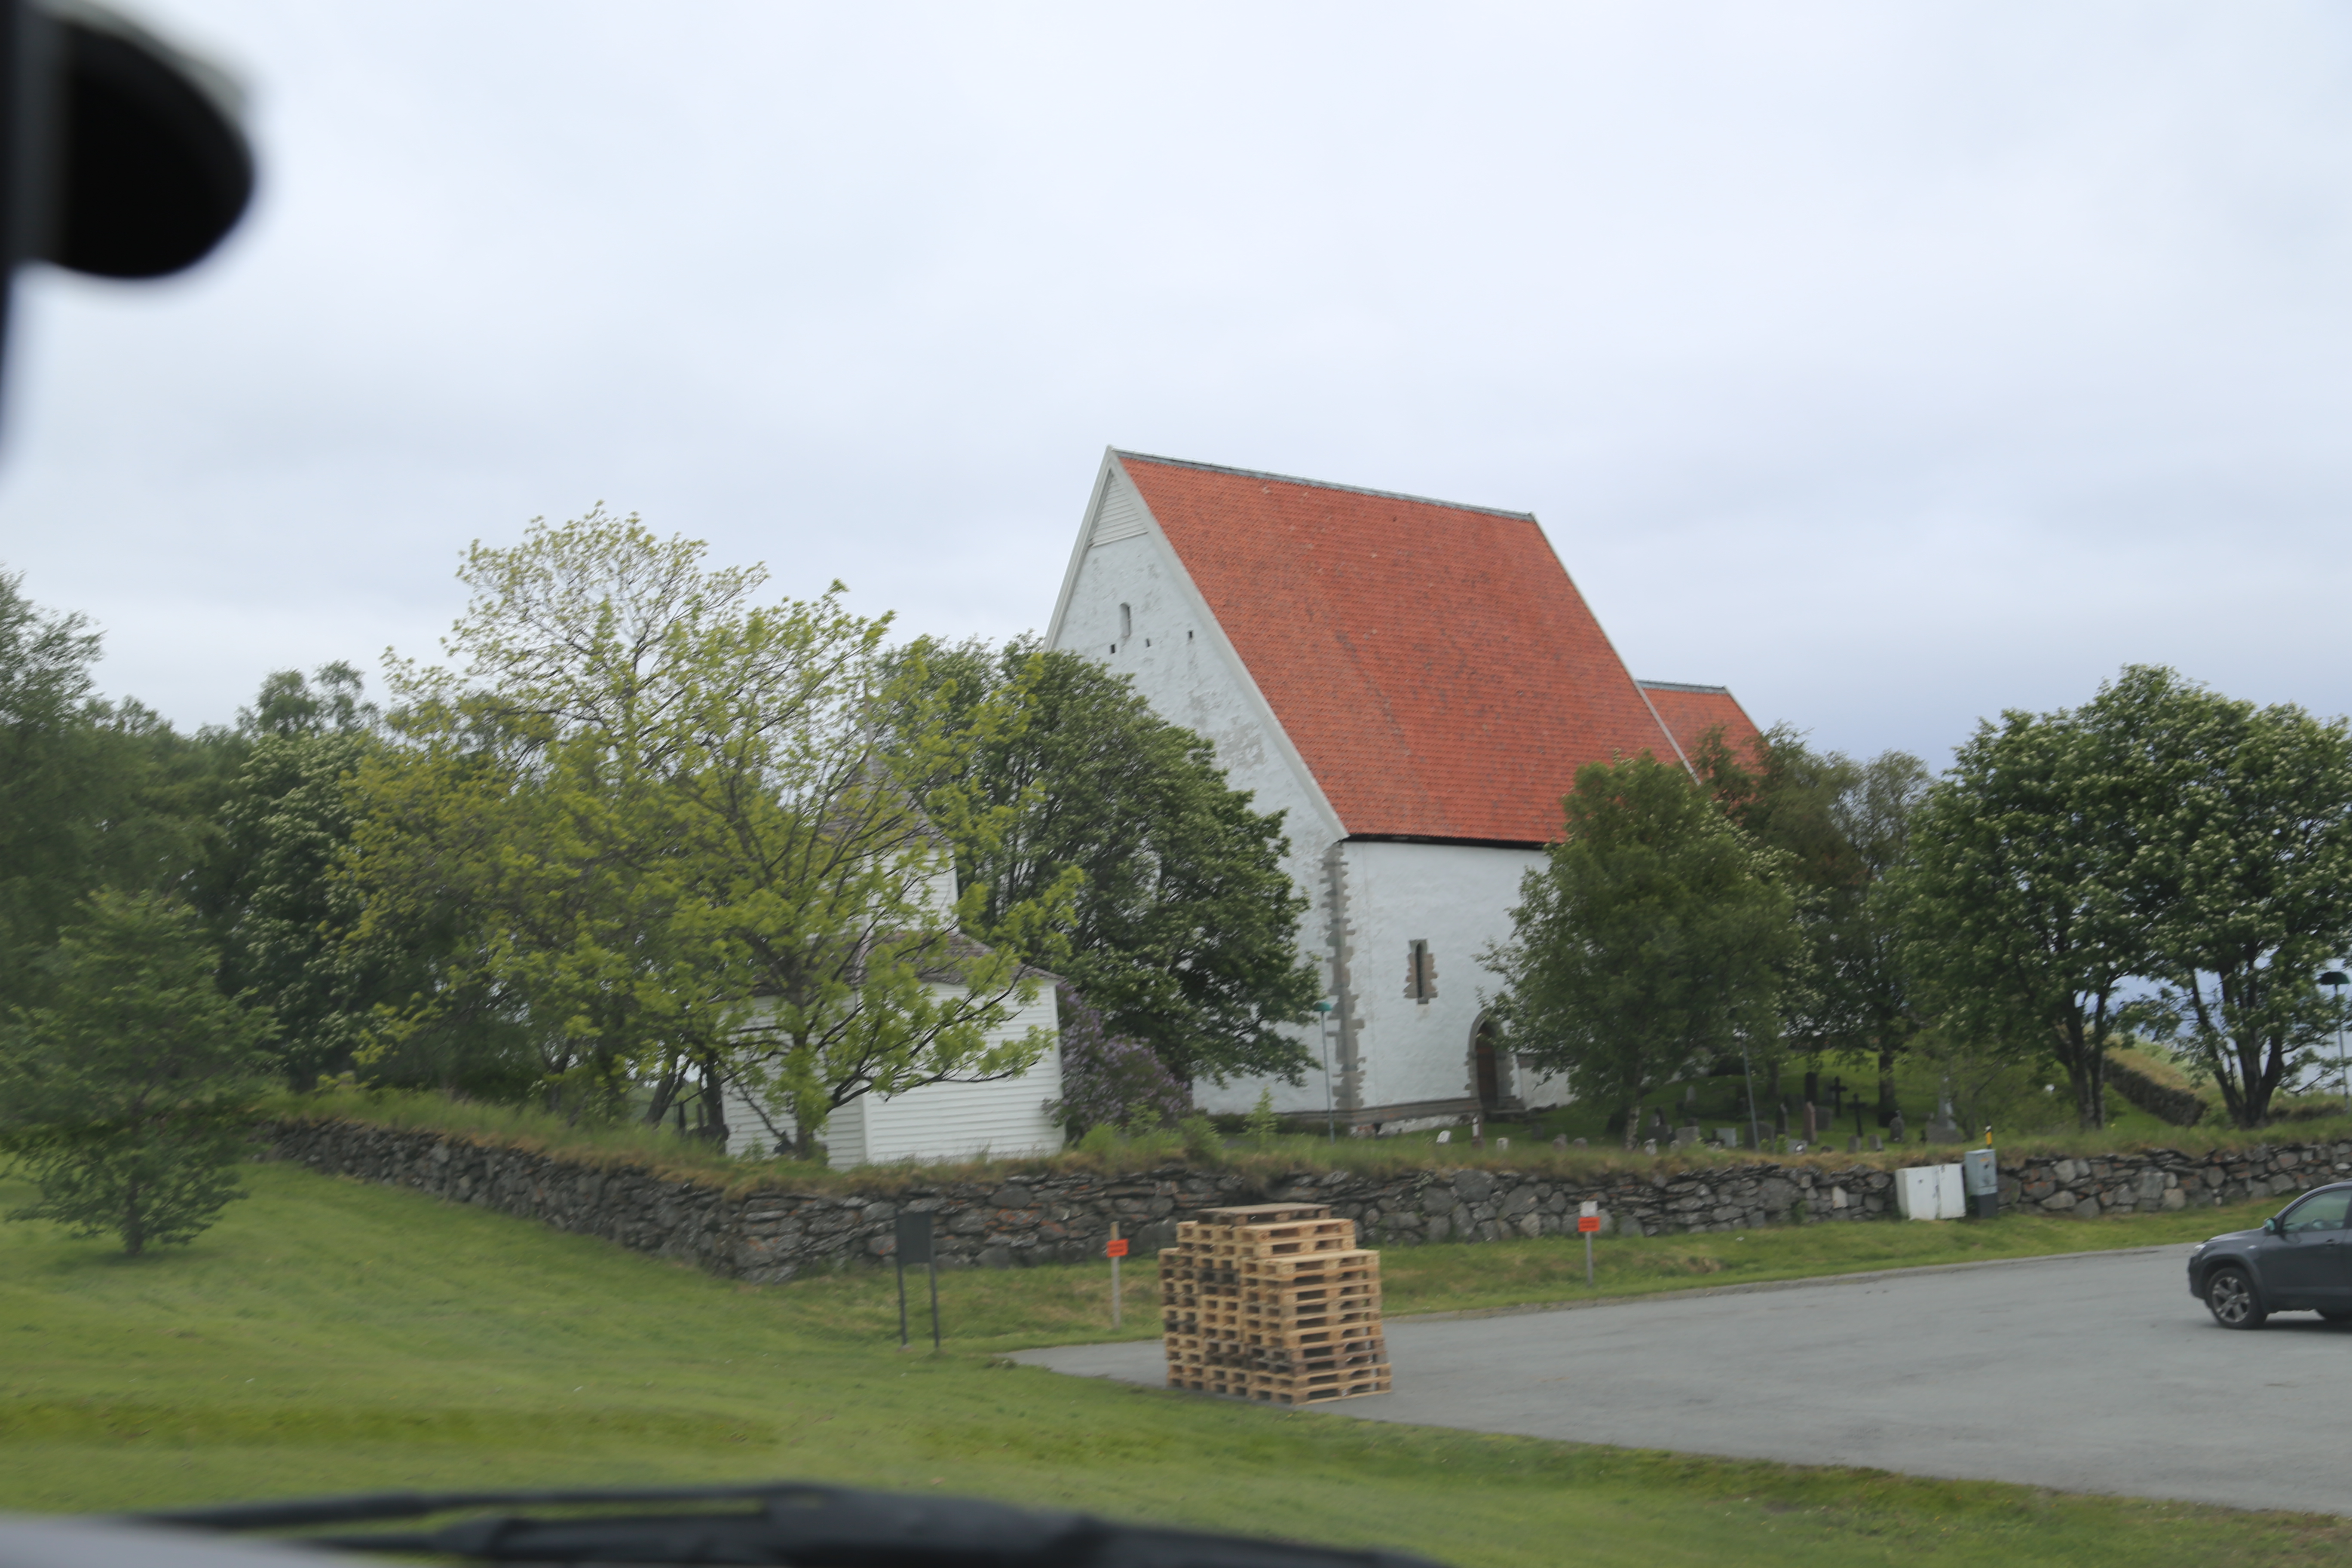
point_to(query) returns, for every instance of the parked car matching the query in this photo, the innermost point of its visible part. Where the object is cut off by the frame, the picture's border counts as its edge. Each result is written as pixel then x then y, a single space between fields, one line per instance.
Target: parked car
pixel 2300 1260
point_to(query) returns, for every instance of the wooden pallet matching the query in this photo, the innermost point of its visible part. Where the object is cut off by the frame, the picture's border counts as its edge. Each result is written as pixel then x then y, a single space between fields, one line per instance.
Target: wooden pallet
pixel 1233 1254
pixel 1265 1213
pixel 1196 1233
pixel 1312 1269
pixel 1273 1303
pixel 1313 1388
pixel 1314 1338
pixel 1365 1286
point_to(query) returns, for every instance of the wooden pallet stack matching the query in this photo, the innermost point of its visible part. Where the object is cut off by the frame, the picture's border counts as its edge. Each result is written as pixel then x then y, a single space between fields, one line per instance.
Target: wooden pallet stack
pixel 1273 1303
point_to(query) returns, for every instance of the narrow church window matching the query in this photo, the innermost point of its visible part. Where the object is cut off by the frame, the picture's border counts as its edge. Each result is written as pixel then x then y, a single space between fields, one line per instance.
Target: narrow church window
pixel 1126 623
pixel 1420 970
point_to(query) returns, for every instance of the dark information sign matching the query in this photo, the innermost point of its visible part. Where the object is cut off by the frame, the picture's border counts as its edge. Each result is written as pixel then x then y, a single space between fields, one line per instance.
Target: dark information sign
pixel 915 1237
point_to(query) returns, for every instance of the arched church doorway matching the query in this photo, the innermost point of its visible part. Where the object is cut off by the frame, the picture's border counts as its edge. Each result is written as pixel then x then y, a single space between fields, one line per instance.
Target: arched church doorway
pixel 1487 1064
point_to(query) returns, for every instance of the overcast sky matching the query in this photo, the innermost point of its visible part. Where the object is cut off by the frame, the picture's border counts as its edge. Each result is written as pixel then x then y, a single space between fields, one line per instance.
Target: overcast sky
pixel 1890 364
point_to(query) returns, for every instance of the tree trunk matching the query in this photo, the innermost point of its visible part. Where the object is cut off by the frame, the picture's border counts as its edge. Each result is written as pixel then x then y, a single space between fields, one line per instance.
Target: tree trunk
pixel 665 1088
pixel 2083 1052
pixel 1632 1113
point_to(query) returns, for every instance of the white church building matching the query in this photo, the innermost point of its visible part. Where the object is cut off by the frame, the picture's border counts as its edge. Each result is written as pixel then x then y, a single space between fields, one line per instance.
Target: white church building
pixel 1414 684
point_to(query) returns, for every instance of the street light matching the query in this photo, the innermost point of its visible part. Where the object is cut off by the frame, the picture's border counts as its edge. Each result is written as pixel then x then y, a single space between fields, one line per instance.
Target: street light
pixel 2333 980
pixel 1330 1116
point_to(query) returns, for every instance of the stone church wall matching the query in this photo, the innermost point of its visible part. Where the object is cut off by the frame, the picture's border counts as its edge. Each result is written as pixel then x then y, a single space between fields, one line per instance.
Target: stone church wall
pixel 770 1235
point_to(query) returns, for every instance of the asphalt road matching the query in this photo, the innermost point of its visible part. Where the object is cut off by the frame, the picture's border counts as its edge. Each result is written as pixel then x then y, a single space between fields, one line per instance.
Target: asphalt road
pixel 2087 1373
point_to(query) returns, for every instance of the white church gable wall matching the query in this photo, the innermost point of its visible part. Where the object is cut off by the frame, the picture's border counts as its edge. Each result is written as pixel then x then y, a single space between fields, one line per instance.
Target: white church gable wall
pixel 1129 607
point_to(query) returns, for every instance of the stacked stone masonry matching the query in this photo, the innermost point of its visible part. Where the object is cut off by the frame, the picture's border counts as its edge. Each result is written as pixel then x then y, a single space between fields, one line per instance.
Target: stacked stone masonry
pixel 771 1235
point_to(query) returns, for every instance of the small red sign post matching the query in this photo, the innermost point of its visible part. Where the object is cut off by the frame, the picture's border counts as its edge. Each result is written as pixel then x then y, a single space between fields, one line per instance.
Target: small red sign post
pixel 1117 1249
pixel 1587 1221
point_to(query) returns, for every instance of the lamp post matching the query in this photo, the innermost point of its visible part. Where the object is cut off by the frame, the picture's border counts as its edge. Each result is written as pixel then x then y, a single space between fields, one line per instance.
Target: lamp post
pixel 1330 1115
pixel 2333 980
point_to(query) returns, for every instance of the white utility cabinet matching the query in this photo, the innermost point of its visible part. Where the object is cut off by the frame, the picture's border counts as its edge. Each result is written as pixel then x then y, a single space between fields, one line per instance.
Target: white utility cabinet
pixel 1930 1191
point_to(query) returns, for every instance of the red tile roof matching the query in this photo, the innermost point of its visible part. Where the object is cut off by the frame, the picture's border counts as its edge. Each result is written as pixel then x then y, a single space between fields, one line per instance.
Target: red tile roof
pixel 1690 711
pixel 1432 663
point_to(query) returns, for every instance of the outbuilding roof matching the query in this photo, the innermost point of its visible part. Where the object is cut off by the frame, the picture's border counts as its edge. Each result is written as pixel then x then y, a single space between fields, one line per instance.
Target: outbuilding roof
pixel 1432 663
pixel 1690 711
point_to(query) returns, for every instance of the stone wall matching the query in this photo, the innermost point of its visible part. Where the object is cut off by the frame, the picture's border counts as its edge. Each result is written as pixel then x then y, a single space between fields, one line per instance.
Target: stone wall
pixel 771 1235
pixel 2176 1106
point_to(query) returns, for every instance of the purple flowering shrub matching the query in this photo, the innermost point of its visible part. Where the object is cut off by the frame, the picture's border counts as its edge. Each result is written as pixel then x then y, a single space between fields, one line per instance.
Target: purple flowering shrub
pixel 1110 1080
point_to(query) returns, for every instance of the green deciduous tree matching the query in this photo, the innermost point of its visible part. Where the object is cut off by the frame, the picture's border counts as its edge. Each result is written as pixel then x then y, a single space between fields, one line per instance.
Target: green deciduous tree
pixel 1185 933
pixel 290 925
pixel 1655 938
pixel 666 829
pixel 2160 833
pixel 1842 827
pixel 2017 927
pixel 2240 857
pixel 127 1096
pixel 92 794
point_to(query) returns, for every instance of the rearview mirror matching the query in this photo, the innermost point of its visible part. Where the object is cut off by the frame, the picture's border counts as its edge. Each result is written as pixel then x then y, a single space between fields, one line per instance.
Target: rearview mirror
pixel 120 156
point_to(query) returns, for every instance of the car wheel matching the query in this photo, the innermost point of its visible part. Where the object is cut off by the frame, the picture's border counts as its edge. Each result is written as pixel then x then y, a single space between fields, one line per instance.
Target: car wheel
pixel 2230 1295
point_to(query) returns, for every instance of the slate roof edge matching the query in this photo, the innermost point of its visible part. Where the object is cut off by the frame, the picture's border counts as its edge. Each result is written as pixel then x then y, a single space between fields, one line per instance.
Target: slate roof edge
pixel 1327 485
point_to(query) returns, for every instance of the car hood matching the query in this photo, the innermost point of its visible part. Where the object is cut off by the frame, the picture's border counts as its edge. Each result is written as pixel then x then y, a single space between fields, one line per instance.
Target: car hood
pixel 2233 1236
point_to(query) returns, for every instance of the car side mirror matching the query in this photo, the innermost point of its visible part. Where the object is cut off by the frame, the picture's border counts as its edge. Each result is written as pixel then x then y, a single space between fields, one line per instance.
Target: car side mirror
pixel 2272 1225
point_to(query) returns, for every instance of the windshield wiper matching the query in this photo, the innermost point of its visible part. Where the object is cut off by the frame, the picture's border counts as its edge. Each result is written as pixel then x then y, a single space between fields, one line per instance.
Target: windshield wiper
pixel 783 1523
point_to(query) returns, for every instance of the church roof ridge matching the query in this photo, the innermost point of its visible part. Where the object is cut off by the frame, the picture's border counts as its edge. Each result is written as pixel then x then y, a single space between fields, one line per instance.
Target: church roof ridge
pixel 1124 455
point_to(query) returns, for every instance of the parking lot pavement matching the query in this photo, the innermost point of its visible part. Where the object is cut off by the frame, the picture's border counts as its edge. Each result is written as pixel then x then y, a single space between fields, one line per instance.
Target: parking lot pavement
pixel 2088 1373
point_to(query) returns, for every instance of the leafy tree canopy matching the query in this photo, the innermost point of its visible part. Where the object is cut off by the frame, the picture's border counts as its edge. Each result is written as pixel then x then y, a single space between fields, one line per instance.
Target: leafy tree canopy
pixel 664 825
pixel 1184 931
pixel 1655 938
pixel 2238 853
pixel 127 1097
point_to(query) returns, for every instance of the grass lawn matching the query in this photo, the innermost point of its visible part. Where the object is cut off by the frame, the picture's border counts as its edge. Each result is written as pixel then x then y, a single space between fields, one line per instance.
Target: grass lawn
pixel 331 1336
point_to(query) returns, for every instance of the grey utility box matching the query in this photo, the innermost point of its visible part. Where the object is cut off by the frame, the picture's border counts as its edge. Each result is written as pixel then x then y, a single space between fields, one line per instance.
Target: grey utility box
pixel 1981 1178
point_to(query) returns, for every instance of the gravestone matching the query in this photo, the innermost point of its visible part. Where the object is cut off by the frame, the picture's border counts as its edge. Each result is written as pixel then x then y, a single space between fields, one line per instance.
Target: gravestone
pixel 1581 1143
pixel 1877 1144
pixel 1895 1129
pixel 1561 1141
pixel 1649 1145
pixel 1686 1136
